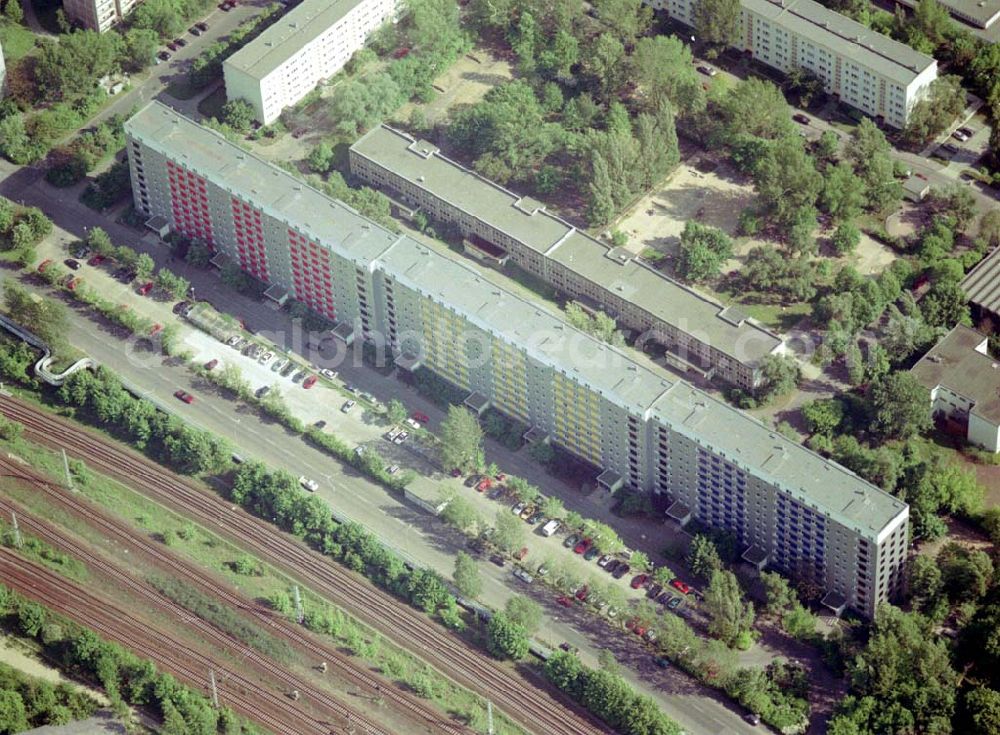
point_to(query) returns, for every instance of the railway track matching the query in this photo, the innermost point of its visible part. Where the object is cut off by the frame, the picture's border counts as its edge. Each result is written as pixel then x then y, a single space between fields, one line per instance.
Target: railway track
pixel 534 708
pixel 306 646
pixel 277 713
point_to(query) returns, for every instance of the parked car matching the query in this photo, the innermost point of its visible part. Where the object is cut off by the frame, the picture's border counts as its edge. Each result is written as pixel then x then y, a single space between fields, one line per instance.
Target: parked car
pixel 498 560
pixel 661 662
pixel 583 593
pixel 401 437
pixel 202 26
pixel 73 265
pixel 328 373
pixel 591 553
pixel 308 483
pixel 681 586
pixel 551 527
pixel 664 598
pixel 675 603
pixel 523 576
pixel 536 518
pixel 517 507
pixel 309 382
pixel 527 512
pixel 265 358
pixel 173 46
pixel 412 424
pixel 612 565
pixel 542 570
pixel 960 135
pixel 603 561
pixel 639 580
pixel 321 424
pixel 471 480
pixel 421 417
pixel 44 264
pixel 484 485
pixel 183 395
pixel 73 281
pixel 496 493
pixel 297 378
pixel 288 369
pixel 571 540
pixel 565 601
pixel 707 70
pixel 521 553
pixel 650 636
pixel 456 472
pixel 654 590
pixel 180 42
pixel 582 546
pixel 967 132
pixel 145 288
pixel 348 405
pixel 263 391
pixel 277 365
pixel 753 718
pixel 621 570
pixel 194 31
pixel 801 118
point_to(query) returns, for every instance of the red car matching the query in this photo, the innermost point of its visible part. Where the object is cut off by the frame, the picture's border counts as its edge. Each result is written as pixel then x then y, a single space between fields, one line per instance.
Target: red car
pixel 679 585
pixel 73 282
pixel 565 601
pixel 96 260
pixel 421 417
pixel 211 364
pixel 309 382
pixel 145 288
pixel 639 580
pixel 44 264
pixel 183 395
pixel 400 52
pixel 484 484
pixel 639 629
pixel 583 593
pixel 582 546
pixel 522 552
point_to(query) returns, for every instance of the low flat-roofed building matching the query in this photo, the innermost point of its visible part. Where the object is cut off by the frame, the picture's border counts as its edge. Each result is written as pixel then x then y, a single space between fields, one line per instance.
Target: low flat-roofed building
pixel 312 42
pixel 978 13
pixel 700 333
pixel 964 381
pixel 981 286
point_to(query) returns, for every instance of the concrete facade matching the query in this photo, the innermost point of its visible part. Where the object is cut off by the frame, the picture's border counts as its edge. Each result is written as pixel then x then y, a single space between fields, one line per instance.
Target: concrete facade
pixel 98 15
pixel 871 72
pixel 964 384
pixel 709 462
pixel 700 334
pixel 311 43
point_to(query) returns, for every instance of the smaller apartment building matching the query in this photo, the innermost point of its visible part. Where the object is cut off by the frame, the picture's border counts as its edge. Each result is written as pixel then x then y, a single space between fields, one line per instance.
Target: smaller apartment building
pixel 700 334
pixel 98 15
pixel 871 72
pixel 312 42
pixel 791 508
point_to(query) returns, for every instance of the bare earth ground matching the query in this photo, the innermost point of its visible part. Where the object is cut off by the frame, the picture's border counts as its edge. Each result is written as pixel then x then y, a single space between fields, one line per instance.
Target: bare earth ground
pixel 20 655
pixel 465 82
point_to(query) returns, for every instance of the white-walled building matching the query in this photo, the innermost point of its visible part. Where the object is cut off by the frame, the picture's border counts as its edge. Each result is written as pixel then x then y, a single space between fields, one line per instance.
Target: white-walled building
pixel 98 15
pixel 874 73
pixel 964 381
pixel 309 44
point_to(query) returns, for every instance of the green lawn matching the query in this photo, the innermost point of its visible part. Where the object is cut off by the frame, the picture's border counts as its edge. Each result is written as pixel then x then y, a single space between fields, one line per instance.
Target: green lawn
pixel 17 41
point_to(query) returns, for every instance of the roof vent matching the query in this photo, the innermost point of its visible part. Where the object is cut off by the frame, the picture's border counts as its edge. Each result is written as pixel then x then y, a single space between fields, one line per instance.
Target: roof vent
pixel 420 178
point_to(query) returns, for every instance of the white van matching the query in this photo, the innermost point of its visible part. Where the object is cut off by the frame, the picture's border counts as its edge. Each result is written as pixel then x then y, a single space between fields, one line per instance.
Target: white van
pixel 550 528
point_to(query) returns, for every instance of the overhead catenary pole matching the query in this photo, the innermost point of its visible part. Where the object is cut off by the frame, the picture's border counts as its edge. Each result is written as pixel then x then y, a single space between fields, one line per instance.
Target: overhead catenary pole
pixel 17 531
pixel 69 478
pixel 489 717
pixel 215 690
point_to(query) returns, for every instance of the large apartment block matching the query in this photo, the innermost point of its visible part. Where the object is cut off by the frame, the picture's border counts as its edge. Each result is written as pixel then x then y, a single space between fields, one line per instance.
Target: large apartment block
pixel 869 71
pixel 790 508
pixel 309 44
pixel 98 15
pixel 498 225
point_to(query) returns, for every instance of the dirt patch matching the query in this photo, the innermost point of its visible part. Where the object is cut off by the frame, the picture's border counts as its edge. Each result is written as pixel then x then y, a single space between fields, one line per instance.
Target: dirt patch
pixel 20 655
pixel 464 83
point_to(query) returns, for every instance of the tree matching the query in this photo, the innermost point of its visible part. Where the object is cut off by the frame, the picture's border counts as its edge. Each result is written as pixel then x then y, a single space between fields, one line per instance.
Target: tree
pixel 663 68
pixel 845 238
pixel 505 638
pixel 553 508
pixel 461 514
pixel 843 192
pixel 989 227
pixel 925 583
pixel 13 11
pixel 508 533
pixel 966 574
pixel 144 267
pixel 601 207
pixel 238 114
pixel 900 407
pixel 787 180
pixel 983 707
pixel 627 19
pixel 730 615
pixel 461 440
pixel 937 109
pixel 754 107
pixel 778 592
pixel 45 317
pixel 140 47
pixel 395 411
pixel 467 577
pixel 703 556
pixel 870 153
pixel 779 374
pixel 320 158
pixel 525 612
pixel 703 250
pixel 640 561
pixel 69 70
pixel 718 21
pixel 955 202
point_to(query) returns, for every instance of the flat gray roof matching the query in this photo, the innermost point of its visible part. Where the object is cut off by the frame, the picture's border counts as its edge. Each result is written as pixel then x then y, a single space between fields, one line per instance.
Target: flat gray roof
pixel 253 179
pixel 547 337
pixel 956 363
pixel 421 164
pixel 837 32
pixel 982 284
pixel 981 13
pixel 289 35
pixel 810 478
